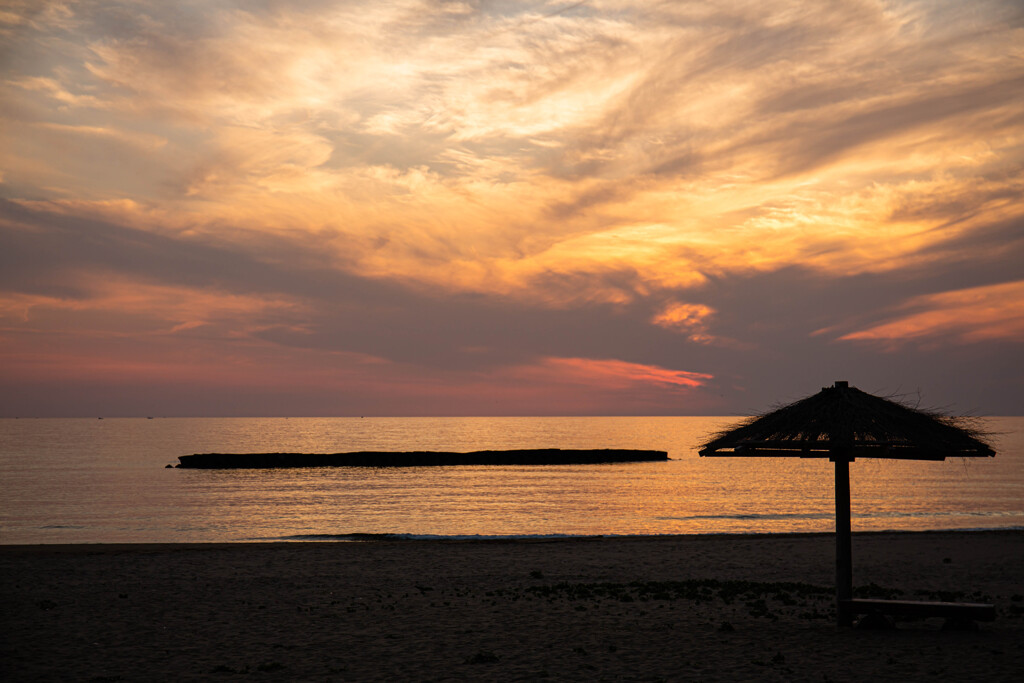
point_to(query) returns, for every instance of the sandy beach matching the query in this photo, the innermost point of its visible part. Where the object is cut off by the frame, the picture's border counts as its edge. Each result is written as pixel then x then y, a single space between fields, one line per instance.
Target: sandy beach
pixel 631 608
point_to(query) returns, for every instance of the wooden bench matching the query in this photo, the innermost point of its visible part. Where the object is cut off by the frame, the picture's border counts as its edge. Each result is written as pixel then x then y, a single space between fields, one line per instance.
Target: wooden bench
pixel 953 612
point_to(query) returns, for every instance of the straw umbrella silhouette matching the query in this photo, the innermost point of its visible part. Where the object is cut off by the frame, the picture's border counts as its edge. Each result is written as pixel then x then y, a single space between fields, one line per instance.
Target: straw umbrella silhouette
pixel 843 423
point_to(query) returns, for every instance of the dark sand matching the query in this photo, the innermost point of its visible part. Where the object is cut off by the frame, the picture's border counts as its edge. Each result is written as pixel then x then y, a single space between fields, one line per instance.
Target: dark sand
pixel 492 610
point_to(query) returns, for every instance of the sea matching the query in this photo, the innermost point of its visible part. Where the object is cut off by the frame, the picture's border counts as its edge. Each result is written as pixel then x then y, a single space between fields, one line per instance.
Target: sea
pixel 106 481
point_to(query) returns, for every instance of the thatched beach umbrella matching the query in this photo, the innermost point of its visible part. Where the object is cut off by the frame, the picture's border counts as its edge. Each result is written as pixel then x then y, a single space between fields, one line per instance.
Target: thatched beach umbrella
pixel 842 423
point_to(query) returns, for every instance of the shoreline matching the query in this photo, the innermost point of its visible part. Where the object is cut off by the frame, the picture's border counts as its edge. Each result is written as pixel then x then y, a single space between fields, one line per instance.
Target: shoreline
pixel 711 607
pixel 399 537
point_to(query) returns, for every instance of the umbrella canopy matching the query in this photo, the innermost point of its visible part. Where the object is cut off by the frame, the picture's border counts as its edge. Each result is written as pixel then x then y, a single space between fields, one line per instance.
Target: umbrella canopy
pixel 844 420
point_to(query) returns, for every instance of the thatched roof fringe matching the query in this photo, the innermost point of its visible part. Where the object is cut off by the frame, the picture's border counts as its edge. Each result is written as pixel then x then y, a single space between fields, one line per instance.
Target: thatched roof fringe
pixel 846 415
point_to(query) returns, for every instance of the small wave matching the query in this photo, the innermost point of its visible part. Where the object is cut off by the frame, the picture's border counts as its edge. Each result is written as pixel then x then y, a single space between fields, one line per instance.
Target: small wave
pixel 986 528
pixel 366 537
pixel 938 513
pixel 894 514
pixel 750 516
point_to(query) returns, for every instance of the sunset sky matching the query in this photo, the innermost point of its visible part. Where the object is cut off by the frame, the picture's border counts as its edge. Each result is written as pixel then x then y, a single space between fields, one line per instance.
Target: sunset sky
pixel 421 207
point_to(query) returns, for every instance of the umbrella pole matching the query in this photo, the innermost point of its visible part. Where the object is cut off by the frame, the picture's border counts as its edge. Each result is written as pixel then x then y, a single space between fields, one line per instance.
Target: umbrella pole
pixel 844 553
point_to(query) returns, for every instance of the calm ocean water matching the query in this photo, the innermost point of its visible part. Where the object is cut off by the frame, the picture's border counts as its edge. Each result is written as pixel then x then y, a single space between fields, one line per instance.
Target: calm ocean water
pixel 101 481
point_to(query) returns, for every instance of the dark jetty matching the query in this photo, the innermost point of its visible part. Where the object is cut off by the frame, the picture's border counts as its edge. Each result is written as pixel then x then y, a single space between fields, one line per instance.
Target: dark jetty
pixel 536 456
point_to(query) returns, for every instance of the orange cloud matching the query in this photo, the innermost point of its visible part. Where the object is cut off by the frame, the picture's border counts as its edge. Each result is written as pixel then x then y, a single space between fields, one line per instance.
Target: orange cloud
pixel 691 319
pixel 994 312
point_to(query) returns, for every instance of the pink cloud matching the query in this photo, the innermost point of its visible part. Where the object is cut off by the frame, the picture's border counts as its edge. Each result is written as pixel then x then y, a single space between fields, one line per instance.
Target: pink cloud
pixel 613 374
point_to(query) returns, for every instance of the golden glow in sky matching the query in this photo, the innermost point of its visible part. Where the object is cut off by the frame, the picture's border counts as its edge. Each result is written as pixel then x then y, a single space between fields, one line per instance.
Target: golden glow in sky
pixel 429 207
